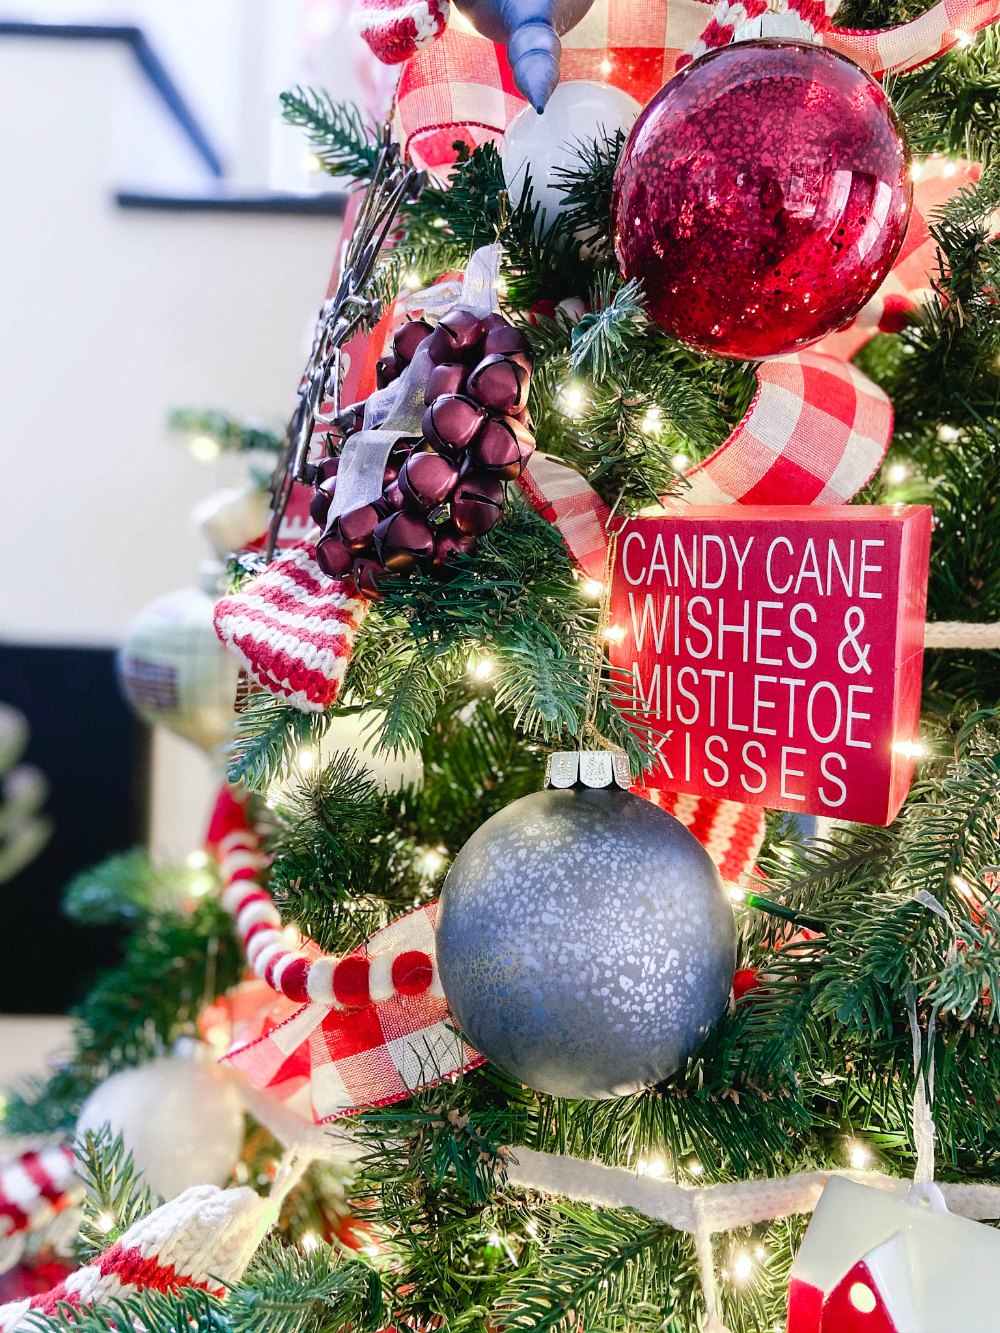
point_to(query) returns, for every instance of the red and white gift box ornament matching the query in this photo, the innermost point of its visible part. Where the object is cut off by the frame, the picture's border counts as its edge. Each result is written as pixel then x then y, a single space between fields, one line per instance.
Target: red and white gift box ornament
pixel 204 1239
pixel 877 1262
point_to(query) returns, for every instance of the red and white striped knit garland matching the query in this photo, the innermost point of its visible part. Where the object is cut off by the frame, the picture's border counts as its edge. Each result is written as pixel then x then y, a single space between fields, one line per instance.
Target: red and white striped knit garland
pixel 204 1238
pixel 302 973
pixel 36 1184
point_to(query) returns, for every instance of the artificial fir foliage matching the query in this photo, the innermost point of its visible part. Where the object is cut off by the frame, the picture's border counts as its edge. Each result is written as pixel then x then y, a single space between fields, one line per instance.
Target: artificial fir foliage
pixel 813 1067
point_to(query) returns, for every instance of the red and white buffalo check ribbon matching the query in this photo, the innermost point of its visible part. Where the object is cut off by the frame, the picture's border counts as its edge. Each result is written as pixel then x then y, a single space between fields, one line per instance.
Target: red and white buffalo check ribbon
pixel 460 87
pixel 375 1027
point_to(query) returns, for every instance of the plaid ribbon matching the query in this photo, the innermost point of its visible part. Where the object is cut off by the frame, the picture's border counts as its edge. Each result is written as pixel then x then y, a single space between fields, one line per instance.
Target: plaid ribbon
pixel 460 87
pixel 815 433
pixel 328 1062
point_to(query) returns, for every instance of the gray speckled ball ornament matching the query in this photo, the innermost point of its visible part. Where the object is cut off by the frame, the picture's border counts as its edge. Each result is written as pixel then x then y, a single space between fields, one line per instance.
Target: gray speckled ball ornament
pixel 585 942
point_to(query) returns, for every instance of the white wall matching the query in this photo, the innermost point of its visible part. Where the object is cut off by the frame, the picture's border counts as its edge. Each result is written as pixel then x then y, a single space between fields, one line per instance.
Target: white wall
pixel 109 319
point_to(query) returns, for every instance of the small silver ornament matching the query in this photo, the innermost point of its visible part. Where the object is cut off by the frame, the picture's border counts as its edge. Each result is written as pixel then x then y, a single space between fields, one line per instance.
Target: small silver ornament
pixel 585 941
pixel 530 29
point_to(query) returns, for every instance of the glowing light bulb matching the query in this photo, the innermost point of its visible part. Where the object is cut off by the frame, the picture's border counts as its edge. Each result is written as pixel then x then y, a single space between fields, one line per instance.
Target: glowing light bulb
pixel 736 894
pixel 652 421
pixel 306 759
pixel 197 860
pixel 481 668
pixel 963 39
pixel 742 1266
pixel 897 473
pixel 573 400
pixel 909 749
pixel 948 434
pixel 695 1167
pixel 858 1155
pixel 204 448
pixel 312 163
pixel 309 1242
pixel 593 589
pixel 949 168
pixel 614 633
pixel 680 462
pixel 105 1223
pixel 605 67
pixel 412 281
pixel 962 886
pixel 916 170
pixel 656 1168
pixel 431 861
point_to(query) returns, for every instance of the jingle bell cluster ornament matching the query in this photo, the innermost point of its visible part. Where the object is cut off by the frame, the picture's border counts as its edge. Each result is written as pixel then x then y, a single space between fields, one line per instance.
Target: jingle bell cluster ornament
pixel 530 30
pixel 537 148
pixel 180 1118
pixel 874 1261
pixel 585 942
pixel 443 489
pixel 762 198
pixel 173 670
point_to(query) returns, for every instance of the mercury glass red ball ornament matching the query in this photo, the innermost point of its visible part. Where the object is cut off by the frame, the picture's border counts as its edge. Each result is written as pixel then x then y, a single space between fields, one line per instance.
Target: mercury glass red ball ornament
pixel 762 198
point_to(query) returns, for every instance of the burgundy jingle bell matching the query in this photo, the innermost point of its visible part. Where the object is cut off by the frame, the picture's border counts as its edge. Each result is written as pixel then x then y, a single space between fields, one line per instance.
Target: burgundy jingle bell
pixel 451 423
pixel 456 337
pixel 477 503
pixel 408 338
pixel 333 557
pixel 427 480
pixel 387 369
pixel 392 499
pixel 502 448
pixel 368 575
pixel 402 541
pixel 448 544
pixel 500 383
pixel 447 378
pixel 355 528
pixel 502 339
pixel 398 455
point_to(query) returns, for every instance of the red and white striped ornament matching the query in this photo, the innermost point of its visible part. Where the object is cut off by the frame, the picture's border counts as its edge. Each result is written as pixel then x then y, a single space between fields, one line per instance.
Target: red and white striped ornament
pixel 35 1185
pixel 204 1238
pixel 397 29
pixel 293 628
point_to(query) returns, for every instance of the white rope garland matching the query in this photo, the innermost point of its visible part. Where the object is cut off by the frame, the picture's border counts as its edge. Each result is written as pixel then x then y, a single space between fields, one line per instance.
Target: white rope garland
pixel 703 1211
pixel 961 634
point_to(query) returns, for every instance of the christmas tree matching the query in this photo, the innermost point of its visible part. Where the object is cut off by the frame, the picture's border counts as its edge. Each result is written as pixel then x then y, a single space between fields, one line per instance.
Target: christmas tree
pixel 617 446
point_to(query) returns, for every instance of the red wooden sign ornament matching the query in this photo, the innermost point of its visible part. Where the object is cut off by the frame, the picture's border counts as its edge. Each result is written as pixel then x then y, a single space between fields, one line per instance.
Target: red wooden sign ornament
pixel 774 653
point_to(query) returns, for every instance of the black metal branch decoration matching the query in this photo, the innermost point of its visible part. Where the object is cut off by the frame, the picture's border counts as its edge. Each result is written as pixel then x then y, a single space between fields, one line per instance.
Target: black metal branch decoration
pixel 344 312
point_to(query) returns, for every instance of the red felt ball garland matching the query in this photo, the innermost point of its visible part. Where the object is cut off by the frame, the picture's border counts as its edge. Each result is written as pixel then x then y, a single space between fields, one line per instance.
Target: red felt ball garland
pixel 304 975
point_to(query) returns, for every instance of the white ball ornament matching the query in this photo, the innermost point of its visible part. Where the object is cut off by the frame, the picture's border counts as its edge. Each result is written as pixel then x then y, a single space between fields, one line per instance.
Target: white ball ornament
pixel 539 146
pixel 181 1119
pixel 173 669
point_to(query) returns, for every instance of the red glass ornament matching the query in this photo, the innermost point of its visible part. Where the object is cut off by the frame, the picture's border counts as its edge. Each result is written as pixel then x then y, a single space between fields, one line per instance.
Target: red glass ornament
pixel 762 198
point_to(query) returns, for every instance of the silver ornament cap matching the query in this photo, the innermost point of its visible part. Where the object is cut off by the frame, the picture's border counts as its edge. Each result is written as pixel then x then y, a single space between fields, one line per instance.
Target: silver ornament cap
pixel 588 768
